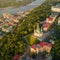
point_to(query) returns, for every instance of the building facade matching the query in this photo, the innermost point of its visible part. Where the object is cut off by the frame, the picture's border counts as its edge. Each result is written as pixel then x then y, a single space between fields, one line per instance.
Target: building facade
pixel 38 32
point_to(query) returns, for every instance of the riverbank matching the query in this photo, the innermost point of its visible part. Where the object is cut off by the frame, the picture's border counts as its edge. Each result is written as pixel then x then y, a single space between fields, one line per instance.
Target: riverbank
pixel 10 3
pixel 17 10
pixel 9 7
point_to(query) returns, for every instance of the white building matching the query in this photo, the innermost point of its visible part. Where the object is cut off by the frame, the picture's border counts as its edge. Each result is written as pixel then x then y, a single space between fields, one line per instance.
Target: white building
pixel 38 32
pixel 56 8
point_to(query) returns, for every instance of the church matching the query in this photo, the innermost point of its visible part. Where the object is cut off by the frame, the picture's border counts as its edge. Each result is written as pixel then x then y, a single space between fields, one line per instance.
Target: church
pixel 38 31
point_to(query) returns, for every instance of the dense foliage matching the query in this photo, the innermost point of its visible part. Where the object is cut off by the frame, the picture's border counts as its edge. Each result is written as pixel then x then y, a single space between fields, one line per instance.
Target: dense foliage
pixel 56 47
pixel 32 40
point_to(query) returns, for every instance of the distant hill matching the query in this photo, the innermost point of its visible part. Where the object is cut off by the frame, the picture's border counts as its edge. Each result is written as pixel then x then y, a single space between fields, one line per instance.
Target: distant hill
pixel 9 3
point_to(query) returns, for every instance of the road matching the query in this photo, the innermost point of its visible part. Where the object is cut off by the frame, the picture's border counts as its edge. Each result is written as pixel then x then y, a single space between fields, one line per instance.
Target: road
pixel 17 10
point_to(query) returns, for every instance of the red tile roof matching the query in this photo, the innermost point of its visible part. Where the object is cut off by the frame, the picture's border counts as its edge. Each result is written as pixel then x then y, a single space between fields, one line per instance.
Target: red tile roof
pixel 46 25
pixel 16 57
pixel 34 46
pixel 50 19
pixel 42 44
pixel 45 44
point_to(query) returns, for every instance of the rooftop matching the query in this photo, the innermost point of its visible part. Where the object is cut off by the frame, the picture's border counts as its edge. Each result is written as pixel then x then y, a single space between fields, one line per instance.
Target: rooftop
pixel 45 25
pixel 16 57
pixel 45 44
pixel 50 18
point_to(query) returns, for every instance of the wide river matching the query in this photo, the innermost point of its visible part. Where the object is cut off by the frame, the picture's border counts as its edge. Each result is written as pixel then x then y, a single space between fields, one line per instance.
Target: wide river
pixel 22 8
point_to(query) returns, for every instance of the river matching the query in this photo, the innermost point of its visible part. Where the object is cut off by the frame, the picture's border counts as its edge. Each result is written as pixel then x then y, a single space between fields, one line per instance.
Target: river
pixel 22 8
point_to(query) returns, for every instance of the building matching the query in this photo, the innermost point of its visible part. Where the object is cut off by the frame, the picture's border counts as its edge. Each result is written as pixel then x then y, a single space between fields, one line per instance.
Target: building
pixel 33 48
pixel 42 46
pixel 58 20
pixel 36 48
pixel 38 32
pixel 56 8
pixel 6 15
pixel 16 57
pixel 46 46
pixel 54 14
pixel 46 26
pixel 15 19
pixel 7 22
pixel 50 19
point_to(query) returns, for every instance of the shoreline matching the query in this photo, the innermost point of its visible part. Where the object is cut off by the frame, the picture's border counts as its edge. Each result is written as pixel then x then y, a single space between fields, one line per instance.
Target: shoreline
pixel 18 9
pixel 1 8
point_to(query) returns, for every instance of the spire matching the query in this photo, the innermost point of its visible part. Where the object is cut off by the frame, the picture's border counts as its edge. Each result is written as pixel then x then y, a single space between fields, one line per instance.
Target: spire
pixel 41 29
pixel 38 28
pixel 38 32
